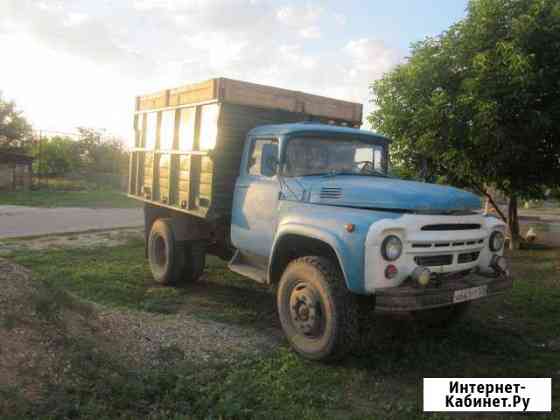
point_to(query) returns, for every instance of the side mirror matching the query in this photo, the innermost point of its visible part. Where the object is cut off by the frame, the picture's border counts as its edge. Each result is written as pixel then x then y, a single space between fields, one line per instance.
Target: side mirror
pixel 269 159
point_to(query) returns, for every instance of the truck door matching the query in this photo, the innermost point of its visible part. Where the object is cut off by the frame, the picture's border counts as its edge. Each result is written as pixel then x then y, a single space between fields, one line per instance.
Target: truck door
pixel 255 201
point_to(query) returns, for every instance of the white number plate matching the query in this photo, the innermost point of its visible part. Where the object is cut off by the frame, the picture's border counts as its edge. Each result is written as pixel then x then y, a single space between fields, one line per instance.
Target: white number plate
pixel 470 294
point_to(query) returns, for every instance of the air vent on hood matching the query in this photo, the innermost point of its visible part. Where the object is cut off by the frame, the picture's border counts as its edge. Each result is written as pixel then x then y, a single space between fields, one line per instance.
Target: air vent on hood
pixel 331 193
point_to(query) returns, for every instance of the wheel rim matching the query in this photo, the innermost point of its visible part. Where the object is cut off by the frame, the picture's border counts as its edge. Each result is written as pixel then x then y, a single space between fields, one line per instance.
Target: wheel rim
pixel 159 251
pixel 306 312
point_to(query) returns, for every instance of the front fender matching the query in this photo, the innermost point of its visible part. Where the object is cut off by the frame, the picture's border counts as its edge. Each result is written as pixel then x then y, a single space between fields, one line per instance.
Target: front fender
pixel 330 238
pixel 327 224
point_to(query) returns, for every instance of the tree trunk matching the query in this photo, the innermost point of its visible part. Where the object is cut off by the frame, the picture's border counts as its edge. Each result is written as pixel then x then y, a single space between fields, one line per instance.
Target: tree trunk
pixel 490 201
pixel 513 222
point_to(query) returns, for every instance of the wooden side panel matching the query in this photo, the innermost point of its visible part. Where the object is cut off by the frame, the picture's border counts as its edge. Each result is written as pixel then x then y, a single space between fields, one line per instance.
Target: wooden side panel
pixel 206 176
pixel 234 123
pixel 148 170
pixel 193 93
pixel 243 93
pixel 251 94
pixel 152 101
pixel 163 178
pixel 178 165
pixel 184 181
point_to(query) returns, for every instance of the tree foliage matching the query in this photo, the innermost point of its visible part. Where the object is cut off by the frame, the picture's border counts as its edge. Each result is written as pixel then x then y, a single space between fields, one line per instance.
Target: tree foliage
pixel 480 103
pixel 57 156
pixel 14 128
pixel 101 153
pixel 91 152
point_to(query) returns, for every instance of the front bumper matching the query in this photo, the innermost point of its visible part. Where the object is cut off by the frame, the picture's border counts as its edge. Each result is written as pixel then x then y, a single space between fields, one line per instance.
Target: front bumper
pixel 411 297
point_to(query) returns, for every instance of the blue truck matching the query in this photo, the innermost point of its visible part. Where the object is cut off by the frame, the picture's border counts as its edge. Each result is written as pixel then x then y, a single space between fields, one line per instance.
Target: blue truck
pixel 287 188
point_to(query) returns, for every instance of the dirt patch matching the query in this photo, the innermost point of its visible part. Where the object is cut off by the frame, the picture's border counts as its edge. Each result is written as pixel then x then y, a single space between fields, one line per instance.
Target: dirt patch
pixel 35 323
pixel 78 240
pixel 154 339
pixel 46 332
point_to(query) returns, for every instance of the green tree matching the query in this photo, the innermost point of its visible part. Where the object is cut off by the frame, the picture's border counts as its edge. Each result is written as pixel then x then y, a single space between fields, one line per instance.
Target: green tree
pixel 101 153
pixel 479 104
pixel 58 156
pixel 14 128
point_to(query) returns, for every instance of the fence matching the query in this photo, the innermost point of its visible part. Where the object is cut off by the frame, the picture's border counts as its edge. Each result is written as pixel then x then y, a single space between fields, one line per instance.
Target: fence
pixel 81 181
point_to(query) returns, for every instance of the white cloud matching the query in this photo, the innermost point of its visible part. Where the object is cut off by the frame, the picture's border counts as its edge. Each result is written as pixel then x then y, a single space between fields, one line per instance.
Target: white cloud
pixel 77 62
pixel 74 18
pixel 299 16
pixel 312 32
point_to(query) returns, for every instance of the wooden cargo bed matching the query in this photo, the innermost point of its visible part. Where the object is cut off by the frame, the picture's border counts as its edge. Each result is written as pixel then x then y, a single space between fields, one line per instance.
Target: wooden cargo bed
pixel 189 140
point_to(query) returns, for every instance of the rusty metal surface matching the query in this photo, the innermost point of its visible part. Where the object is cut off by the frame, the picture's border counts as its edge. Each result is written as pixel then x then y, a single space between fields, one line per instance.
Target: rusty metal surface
pixel 410 297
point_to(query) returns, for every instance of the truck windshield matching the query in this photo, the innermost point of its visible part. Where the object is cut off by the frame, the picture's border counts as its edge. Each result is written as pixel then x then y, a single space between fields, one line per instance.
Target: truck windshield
pixel 329 156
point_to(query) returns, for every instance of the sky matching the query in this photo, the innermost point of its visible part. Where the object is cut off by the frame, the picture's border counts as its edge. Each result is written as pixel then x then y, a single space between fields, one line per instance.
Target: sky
pixel 70 63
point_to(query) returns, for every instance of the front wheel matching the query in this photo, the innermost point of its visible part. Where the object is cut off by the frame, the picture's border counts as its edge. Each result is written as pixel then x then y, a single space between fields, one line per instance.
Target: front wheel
pixel 318 314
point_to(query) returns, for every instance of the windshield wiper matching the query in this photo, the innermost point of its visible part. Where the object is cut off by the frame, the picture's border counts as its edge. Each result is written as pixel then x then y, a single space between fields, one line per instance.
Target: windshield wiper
pixel 375 172
pixel 335 173
pixel 369 173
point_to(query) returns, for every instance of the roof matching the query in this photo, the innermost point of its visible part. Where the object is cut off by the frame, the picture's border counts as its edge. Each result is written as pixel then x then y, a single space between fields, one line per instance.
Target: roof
pixel 313 128
pixel 10 156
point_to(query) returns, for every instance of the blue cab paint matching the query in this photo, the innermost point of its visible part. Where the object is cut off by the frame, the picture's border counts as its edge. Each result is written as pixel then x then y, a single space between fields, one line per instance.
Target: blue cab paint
pixel 266 208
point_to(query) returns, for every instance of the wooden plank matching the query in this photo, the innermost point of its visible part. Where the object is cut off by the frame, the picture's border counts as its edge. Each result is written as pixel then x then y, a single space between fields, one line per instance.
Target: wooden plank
pixel 193 93
pixel 252 94
pixel 244 93
pixel 206 177
pixel 205 189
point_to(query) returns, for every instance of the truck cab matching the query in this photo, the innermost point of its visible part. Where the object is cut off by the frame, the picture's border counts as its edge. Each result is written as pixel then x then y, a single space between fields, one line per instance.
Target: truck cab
pixel 317 190
pixel 310 209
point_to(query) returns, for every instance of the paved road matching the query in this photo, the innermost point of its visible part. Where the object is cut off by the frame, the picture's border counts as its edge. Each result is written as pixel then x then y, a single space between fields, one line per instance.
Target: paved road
pixel 19 221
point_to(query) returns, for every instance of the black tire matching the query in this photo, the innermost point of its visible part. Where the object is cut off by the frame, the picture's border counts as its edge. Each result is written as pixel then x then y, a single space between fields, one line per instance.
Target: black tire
pixel 318 314
pixel 166 256
pixel 442 317
pixel 195 260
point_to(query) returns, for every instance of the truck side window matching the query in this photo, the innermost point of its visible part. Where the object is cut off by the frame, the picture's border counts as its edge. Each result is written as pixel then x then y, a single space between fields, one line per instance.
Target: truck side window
pixel 255 165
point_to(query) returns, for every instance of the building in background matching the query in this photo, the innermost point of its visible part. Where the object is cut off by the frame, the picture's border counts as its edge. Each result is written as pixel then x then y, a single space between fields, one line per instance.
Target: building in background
pixel 15 171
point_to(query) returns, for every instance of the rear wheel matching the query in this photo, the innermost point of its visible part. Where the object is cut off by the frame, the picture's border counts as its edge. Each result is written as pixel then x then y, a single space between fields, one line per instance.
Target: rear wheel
pixel 195 260
pixel 318 314
pixel 166 256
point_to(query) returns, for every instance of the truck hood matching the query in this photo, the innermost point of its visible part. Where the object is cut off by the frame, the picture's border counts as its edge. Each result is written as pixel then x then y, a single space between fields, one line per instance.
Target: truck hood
pixel 389 194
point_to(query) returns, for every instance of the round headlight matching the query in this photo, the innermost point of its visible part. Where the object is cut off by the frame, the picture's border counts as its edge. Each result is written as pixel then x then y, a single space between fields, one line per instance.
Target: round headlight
pixel 496 241
pixel 391 248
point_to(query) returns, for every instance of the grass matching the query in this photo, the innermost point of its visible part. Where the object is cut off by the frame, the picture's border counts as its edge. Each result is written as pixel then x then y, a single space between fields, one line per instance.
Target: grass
pixel 508 336
pixel 53 198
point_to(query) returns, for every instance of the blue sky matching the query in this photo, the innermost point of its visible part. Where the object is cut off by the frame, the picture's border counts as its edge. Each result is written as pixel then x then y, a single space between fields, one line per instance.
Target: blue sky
pixel 81 62
pixel 400 22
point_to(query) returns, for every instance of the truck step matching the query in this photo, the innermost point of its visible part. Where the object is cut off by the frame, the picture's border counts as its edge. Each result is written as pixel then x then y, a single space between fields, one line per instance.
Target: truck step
pixel 239 266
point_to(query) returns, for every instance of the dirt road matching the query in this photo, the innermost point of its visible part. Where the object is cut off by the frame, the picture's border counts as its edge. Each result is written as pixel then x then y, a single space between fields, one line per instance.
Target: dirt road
pixel 19 221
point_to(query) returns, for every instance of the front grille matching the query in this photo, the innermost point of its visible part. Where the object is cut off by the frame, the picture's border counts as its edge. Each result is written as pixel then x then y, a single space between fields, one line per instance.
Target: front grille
pixel 446 244
pixel 468 257
pixel 451 226
pixel 434 260
pixel 331 193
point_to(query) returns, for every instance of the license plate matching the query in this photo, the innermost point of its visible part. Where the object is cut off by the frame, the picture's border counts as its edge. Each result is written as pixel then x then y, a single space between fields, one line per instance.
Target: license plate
pixel 470 294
